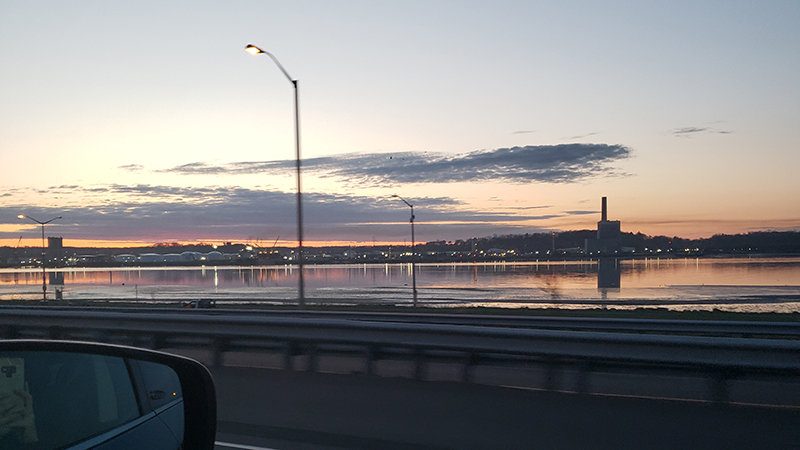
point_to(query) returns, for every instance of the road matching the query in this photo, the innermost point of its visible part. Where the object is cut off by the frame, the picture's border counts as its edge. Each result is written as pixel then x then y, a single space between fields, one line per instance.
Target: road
pixel 284 410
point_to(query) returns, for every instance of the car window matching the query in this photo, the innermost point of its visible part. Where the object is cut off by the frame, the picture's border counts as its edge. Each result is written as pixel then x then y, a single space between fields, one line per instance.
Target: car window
pixel 49 400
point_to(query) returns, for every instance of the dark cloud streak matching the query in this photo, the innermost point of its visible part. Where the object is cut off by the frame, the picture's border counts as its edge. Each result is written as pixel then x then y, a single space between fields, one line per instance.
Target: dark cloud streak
pixel 581 136
pixel 131 167
pixel 562 163
pixel 690 131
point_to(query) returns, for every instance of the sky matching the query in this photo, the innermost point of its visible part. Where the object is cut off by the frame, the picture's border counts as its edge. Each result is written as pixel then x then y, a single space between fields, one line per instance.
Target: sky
pixel 147 122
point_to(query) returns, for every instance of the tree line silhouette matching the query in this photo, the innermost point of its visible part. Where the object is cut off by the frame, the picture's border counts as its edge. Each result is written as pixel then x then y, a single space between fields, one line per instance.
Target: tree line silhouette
pixel 770 242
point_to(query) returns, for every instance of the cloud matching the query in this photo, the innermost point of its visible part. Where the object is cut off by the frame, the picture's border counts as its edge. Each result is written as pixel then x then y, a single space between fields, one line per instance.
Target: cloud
pixel 690 131
pixel 154 213
pixel 236 168
pixel 131 167
pixel 525 208
pixel 523 132
pixel 581 136
pixel 562 163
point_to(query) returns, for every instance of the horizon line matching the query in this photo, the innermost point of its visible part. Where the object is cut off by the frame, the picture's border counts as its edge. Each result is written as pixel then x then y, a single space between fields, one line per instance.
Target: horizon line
pixel 119 244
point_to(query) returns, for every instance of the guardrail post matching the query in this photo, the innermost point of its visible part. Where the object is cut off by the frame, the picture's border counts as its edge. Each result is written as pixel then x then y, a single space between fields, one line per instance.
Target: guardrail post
pixel 720 388
pixel 10 332
pixel 158 341
pixel 466 371
pixel 419 364
pixel 313 359
pixel 371 354
pixel 288 353
pixel 99 336
pixel 583 382
pixel 218 352
pixel 551 374
pixel 55 333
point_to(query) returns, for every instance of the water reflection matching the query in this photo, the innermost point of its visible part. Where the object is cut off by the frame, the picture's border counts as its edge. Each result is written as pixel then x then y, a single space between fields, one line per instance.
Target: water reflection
pixel 689 282
pixel 608 274
pixel 56 278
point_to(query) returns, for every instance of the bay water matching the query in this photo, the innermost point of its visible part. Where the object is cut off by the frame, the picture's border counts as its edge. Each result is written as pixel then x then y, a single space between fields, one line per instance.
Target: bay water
pixel 755 284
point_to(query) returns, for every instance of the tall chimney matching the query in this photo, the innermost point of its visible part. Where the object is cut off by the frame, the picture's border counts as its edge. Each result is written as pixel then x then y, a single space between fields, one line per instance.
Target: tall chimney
pixel 604 216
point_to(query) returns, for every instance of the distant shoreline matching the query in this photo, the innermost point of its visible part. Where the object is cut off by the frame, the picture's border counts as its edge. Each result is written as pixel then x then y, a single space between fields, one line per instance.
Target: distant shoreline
pixel 421 260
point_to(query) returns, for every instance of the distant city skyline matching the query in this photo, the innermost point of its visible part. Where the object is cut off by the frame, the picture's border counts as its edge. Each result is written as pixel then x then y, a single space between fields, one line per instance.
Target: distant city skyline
pixel 148 122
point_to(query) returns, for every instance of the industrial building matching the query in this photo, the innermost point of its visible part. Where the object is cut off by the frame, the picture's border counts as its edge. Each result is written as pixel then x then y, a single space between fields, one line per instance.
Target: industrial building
pixel 609 236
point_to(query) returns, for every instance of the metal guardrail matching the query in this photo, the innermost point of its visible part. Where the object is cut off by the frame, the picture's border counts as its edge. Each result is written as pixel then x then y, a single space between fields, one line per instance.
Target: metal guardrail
pixel 786 330
pixel 722 328
pixel 720 358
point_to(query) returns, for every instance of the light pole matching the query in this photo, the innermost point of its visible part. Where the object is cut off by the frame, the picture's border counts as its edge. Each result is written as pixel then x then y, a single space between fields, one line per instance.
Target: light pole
pixel 413 251
pixel 253 50
pixel 44 251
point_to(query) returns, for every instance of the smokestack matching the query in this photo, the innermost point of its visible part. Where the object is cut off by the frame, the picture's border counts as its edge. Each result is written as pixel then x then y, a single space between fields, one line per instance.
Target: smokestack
pixel 604 216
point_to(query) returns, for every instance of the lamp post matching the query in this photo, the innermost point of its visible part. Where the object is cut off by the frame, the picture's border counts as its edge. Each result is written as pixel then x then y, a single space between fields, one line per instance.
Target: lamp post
pixel 413 251
pixel 253 50
pixel 44 251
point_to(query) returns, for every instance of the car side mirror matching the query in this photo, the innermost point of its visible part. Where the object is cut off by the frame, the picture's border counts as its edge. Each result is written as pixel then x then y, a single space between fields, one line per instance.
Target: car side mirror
pixel 75 395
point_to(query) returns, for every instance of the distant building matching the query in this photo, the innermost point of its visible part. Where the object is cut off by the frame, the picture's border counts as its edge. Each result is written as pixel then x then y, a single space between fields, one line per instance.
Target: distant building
pixel 150 258
pixel 171 257
pixel 214 256
pixel 190 256
pixel 126 258
pixel 609 236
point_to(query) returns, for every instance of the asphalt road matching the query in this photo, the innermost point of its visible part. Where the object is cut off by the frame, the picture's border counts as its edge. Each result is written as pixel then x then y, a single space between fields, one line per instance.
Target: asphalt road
pixel 283 410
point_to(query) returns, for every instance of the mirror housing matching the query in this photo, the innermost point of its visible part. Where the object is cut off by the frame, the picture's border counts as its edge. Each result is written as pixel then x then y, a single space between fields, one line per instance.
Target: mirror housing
pixel 196 384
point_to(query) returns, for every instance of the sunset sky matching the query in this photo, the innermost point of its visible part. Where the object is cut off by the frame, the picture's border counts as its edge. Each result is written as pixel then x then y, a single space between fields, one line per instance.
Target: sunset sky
pixel 145 122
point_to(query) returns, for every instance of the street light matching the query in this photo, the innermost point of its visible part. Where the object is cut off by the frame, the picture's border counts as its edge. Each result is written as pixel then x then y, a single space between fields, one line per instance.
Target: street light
pixel 253 50
pixel 44 251
pixel 413 251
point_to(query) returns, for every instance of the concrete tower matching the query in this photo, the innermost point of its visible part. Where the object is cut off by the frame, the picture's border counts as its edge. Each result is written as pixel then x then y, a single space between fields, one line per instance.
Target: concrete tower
pixel 608 235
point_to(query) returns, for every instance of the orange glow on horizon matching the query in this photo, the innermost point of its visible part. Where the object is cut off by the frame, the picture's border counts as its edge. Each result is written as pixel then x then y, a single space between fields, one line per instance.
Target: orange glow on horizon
pixel 99 243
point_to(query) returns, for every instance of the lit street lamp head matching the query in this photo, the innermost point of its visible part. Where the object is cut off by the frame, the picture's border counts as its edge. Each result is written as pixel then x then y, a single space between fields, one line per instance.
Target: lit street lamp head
pixel 252 49
pixel 403 200
pixel 23 216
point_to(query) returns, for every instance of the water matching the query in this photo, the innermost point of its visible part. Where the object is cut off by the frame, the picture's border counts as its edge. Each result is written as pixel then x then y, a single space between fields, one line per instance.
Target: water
pixel 734 284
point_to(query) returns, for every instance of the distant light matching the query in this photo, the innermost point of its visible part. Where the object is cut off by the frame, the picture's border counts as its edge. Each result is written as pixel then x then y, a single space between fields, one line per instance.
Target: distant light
pixel 21 216
pixel 252 49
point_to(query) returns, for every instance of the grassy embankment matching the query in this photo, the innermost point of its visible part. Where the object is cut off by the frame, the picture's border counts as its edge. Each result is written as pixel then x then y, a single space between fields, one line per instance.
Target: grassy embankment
pixel 637 313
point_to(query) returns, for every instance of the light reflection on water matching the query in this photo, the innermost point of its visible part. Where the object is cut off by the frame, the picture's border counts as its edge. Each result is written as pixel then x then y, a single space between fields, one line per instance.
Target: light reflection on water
pixel 742 284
